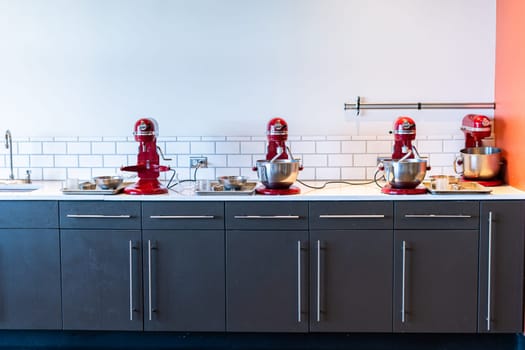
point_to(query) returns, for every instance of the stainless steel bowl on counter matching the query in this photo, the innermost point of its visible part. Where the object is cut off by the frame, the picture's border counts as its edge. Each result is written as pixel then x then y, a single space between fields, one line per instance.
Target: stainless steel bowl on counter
pixel 108 182
pixel 232 182
pixel 478 163
pixel 406 173
pixel 278 174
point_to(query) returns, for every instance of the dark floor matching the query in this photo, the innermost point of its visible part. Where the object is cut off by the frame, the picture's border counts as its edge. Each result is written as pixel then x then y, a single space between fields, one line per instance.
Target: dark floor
pixel 214 341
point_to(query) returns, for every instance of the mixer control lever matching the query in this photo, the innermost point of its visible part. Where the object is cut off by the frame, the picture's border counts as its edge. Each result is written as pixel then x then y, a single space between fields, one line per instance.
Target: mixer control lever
pixel 162 154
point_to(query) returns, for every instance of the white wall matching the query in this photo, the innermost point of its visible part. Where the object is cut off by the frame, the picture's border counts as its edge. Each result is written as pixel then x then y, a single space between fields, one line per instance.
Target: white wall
pixel 224 67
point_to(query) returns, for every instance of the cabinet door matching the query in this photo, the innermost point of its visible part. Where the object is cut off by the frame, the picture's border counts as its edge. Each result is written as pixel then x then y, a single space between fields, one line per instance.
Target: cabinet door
pixel 501 267
pixel 266 281
pixel 351 281
pixel 184 280
pixel 101 279
pixel 435 283
pixel 29 279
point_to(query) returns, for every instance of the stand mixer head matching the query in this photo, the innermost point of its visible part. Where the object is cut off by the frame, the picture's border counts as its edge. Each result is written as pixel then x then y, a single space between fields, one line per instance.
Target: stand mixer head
pixel 475 127
pixel 404 133
pixel 277 134
pixel 477 162
pixel 148 168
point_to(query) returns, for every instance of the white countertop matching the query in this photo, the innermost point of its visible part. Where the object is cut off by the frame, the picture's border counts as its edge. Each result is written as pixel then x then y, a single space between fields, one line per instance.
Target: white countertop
pixel 51 190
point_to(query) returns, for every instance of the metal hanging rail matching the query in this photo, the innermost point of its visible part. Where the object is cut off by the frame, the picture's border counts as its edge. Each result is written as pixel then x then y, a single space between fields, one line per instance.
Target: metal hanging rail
pixel 358 106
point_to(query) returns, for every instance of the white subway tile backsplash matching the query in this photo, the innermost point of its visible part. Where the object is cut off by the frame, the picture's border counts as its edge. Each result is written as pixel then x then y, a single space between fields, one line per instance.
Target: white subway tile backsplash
pixel 340 160
pixel 83 174
pixel 117 138
pixel 451 146
pixel 54 147
pixel 20 161
pixel 379 146
pixel 127 147
pixel 104 148
pixel 353 146
pixel 114 161
pixel 177 147
pixel 307 174
pixel 442 159
pixel 29 148
pixel 42 161
pixel 239 160
pixel 365 160
pixel 313 138
pixel 327 173
pixel 64 161
pixel 227 171
pixel 217 161
pixel 197 147
pixel 54 173
pixel 353 173
pixel 315 160
pixel 328 147
pixel 429 146
pixel 302 147
pixel 227 147
pixel 213 138
pixel 252 147
pixel 89 161
pixel 78 148
pixel 238 138
pixel 324 157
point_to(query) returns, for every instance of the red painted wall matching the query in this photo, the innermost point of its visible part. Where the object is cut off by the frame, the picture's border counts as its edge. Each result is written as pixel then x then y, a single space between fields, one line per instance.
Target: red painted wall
pixel 510 88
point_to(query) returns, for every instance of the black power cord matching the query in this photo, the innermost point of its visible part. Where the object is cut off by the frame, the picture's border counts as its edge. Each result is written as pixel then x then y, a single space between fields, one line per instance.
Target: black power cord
pixel 170 185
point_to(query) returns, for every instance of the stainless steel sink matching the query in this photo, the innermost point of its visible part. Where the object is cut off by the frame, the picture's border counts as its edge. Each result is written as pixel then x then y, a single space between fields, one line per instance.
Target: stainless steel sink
pixel 17 185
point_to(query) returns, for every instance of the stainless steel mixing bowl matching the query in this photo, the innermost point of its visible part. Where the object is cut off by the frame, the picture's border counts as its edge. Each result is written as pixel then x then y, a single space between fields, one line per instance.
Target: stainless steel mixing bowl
pixel 108 182
pixel 406 173
pixel 232 182
pixel 279 174
pixel 479 163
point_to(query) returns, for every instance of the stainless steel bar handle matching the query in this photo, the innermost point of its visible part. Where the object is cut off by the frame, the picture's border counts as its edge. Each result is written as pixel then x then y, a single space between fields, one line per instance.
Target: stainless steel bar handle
pixel 489 271
pixel 150 307
pixel 267 217
pixel 318 281
pixel 438 216
pixel 352 216
pixel 131 280
pixel 403 281
pixel 299 282
pixel 97 216
pixel 182 217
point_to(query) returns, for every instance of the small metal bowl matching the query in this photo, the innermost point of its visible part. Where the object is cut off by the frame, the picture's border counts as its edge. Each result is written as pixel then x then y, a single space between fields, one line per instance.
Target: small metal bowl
pixel 232 182
pixel 87 185
pixel 108 182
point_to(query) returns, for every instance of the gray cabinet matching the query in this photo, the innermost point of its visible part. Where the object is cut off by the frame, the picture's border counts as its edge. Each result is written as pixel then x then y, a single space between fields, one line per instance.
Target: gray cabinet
pixel 501 266
pixel 435 268
pixel 267 266
pixel 101 265
pixel 29 265
pixel 183 264
pixel 351 266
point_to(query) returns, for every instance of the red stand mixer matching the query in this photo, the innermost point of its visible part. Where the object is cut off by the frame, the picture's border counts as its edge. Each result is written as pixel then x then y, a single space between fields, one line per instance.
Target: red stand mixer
pixel 475 127
pixel 279 171
pixel 480 164
pixel 148 168
pixel 403 166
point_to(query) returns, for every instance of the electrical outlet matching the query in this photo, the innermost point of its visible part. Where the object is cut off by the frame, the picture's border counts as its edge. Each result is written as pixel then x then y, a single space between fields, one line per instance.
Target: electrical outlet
pixel 201 162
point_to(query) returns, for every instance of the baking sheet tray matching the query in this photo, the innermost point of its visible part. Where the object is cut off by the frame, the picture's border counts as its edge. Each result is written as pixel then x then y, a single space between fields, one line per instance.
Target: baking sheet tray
pixel 96 191
pixel 461 187
pixel 218 190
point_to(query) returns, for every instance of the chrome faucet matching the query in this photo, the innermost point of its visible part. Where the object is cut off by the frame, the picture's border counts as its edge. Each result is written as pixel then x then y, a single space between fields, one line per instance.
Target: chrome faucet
pixel 9 145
